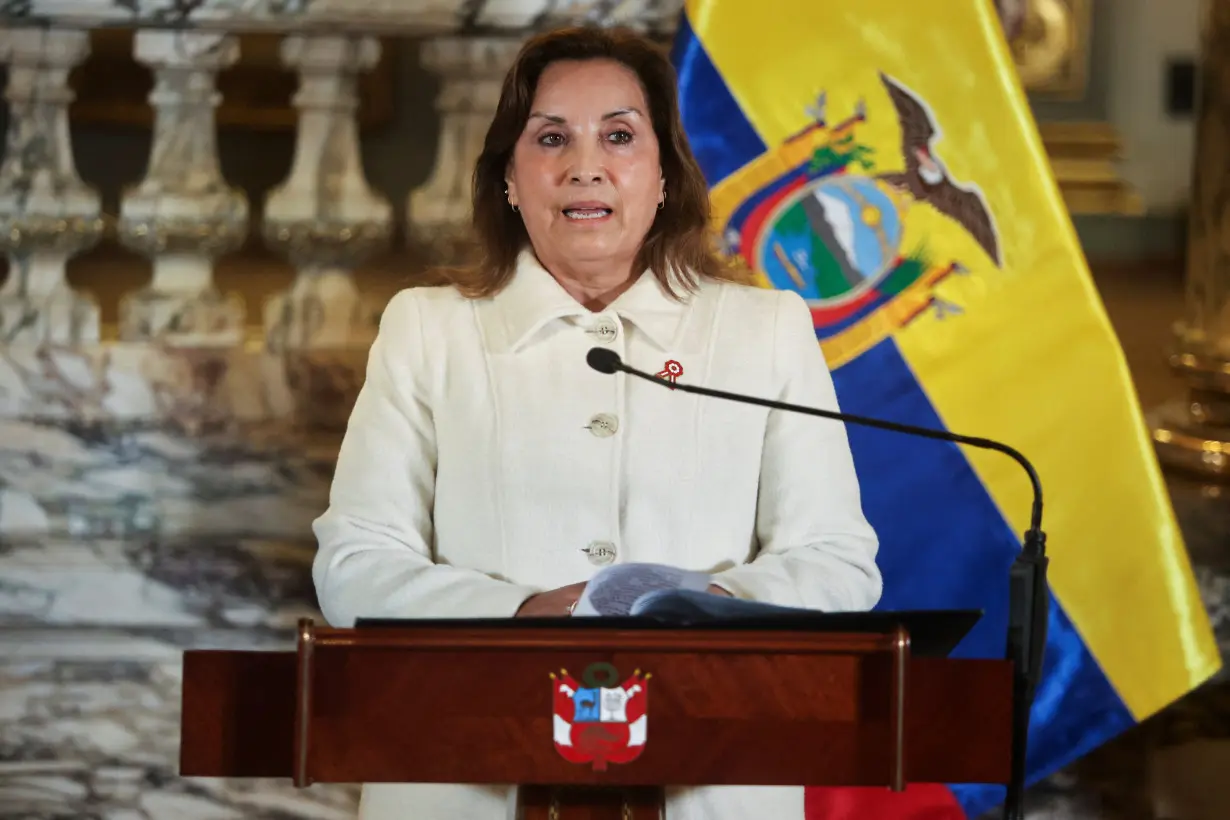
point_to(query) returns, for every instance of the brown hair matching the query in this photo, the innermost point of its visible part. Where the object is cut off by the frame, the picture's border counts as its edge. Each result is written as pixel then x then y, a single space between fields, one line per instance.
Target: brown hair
pixel 679 248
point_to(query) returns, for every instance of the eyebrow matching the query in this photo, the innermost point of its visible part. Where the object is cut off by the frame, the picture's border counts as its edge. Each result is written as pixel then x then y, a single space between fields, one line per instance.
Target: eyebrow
pixel 558 120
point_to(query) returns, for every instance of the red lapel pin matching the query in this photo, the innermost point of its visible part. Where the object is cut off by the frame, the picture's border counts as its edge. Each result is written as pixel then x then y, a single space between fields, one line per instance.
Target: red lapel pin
pixel 671 371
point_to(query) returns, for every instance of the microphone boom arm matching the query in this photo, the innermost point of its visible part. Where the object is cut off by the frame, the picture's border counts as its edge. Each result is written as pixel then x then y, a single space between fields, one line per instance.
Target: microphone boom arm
pixel 1028 595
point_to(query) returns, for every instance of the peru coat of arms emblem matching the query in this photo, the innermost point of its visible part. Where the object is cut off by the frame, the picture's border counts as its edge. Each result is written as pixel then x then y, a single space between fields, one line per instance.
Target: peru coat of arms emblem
pixel 600 720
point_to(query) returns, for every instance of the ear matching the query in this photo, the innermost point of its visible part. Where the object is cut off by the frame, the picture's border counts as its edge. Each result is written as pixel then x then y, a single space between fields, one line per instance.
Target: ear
pixel 510 187
pixel 662 190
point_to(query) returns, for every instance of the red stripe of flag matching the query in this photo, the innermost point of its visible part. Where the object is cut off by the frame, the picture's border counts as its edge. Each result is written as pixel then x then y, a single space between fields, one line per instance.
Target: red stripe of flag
pixel 920 801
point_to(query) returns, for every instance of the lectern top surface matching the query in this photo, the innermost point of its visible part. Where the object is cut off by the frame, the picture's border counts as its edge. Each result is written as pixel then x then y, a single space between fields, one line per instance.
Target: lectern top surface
pixel 933 633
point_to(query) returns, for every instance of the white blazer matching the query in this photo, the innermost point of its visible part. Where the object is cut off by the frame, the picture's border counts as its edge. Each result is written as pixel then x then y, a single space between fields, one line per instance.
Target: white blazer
pixel 485 461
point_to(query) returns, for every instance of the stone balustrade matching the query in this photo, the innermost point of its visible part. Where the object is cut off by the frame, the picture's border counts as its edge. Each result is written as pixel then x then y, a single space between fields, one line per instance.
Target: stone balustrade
pixel 415 18
pixel 158 483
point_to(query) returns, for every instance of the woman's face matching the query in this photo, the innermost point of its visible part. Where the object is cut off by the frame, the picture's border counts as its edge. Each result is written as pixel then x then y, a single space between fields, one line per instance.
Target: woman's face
pixel 585 171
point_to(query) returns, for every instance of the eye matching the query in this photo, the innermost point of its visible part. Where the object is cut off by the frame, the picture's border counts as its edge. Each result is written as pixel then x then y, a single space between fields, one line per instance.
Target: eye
pixel 551 140
pixel 620 137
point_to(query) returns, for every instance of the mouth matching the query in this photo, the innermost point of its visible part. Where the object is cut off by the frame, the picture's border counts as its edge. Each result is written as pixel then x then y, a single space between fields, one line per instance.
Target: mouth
pixel 586 212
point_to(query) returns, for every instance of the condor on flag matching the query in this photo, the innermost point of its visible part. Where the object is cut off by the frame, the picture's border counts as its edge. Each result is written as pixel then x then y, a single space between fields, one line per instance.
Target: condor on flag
pixel 880 159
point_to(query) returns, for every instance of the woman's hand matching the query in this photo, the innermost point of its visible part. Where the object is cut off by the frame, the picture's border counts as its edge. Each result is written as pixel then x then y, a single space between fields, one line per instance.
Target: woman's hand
pixel 555 603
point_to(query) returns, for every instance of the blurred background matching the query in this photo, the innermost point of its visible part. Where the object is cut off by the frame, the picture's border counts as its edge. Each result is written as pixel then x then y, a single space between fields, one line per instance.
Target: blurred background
pixel 200 229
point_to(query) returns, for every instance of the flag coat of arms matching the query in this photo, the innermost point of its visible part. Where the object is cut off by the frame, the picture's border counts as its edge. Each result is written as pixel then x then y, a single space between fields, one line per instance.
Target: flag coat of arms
pixel 600 721
pixel 881 160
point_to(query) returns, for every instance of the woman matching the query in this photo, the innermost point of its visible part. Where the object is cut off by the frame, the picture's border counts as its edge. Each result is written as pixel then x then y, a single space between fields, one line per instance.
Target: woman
pixel 487 471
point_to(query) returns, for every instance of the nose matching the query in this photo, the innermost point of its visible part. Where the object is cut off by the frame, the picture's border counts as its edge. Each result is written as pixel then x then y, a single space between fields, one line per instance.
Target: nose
pixel 586 167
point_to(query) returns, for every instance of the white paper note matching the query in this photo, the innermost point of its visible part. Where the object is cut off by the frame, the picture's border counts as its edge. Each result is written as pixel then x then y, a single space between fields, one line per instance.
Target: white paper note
pixel 614 590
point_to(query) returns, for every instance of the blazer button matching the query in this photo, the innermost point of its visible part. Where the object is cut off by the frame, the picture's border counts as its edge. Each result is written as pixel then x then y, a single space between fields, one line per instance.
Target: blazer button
pixel 601 553
pixel 603 425
pixel 605 329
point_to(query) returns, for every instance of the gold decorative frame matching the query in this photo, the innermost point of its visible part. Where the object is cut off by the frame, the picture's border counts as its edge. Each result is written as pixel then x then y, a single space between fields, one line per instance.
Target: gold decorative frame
pixel 1051 45
pixel 112 87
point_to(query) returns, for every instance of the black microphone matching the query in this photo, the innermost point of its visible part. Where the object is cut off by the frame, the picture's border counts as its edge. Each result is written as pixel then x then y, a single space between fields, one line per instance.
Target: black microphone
pixel 1027 587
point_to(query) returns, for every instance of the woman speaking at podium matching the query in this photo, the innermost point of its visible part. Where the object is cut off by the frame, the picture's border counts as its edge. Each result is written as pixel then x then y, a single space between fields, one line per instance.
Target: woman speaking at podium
pixel 488 471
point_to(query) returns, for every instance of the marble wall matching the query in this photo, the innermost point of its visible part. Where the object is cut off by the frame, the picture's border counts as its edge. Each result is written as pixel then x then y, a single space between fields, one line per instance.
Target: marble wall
pixel 154 500
pixel 158 480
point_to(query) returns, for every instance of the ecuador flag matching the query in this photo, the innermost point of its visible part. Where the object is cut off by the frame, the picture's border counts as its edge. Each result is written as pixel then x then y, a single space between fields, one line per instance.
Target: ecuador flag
pixel 880 159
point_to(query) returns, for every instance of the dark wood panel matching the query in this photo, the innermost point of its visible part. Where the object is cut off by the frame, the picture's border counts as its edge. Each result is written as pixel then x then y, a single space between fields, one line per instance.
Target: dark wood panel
pixel 483 714
pixel 238 714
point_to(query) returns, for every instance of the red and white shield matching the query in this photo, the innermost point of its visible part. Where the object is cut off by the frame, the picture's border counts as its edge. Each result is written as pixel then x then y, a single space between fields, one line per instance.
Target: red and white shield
pixel 598 721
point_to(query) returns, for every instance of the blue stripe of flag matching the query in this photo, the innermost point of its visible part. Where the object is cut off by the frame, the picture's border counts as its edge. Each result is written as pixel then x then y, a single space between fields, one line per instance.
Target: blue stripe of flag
pixel 722 139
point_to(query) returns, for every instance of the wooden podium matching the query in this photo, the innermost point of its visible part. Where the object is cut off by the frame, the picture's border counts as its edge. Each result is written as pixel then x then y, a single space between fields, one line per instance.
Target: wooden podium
pixel 452 703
